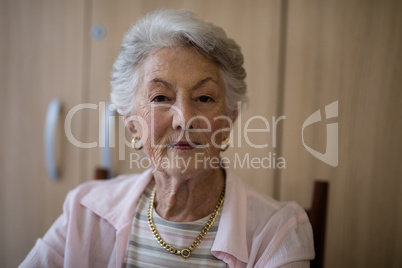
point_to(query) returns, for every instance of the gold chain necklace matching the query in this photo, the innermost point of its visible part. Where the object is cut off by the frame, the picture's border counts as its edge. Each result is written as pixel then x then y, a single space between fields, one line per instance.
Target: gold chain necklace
pixel 185 252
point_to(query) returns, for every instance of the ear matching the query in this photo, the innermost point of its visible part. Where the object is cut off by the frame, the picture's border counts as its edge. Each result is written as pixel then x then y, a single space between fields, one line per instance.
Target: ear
pixel 234 115
pixel 130 125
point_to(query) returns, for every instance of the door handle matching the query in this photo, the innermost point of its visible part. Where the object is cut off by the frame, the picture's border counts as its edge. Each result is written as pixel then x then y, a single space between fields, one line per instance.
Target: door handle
pixel 52 118
pixel 106 136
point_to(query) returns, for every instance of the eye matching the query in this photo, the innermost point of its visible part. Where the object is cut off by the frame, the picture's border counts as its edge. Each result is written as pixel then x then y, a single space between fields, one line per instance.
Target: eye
pixel 205 99
pixel 160 98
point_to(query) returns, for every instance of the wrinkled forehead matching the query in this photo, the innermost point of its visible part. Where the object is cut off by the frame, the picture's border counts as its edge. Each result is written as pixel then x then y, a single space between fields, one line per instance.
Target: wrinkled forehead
pixel 179 65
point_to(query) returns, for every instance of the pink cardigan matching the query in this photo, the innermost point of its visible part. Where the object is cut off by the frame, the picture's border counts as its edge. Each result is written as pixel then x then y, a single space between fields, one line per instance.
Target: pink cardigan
pixel 254 230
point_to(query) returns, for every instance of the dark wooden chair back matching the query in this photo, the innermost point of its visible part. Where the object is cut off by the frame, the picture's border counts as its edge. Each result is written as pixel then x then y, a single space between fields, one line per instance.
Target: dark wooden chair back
pixel 317 214
pixel 102 174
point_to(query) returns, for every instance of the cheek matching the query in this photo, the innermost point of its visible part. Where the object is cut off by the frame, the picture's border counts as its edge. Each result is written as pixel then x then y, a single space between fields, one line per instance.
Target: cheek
pixel 220 129
pixel 158 125
pixel 156 135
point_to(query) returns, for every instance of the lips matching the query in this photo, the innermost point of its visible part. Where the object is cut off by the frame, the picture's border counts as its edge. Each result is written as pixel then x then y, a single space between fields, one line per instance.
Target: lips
pixel 184 145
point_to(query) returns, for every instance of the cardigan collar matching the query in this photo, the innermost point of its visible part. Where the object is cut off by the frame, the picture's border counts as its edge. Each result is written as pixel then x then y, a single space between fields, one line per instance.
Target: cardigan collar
pixel 116 200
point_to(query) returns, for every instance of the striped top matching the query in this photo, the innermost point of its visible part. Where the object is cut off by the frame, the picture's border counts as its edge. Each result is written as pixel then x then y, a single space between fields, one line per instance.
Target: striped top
pixel 144 251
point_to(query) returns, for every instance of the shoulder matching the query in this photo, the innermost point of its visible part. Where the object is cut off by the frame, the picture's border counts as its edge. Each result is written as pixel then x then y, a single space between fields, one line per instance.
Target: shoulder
pixel 280 231
pixel 264 208
pixel 108 197
pixel 261 207
pixel 277 232
pixel 99 186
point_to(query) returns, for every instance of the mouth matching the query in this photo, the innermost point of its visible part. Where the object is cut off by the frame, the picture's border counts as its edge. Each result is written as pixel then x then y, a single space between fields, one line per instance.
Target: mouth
pixel 184 145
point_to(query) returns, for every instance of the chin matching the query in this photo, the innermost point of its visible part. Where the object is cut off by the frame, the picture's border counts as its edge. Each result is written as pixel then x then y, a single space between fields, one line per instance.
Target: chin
pixel 187 163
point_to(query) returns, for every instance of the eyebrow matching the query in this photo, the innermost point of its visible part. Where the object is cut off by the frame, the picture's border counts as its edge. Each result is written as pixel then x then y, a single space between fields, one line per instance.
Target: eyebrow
pixel 202 82
pixel 163 82
pixel 168 85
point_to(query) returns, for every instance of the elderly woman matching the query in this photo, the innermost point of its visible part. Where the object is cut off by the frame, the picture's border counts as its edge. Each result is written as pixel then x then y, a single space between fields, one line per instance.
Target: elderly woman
pixel 177 81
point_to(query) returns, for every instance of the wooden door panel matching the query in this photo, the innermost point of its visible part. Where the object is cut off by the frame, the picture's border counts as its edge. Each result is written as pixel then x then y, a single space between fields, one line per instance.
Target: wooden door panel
pixel 42 57
pixel 351 53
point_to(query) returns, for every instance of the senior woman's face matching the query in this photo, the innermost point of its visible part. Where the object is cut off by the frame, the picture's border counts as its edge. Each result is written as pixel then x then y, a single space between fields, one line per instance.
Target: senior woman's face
pixel 181 98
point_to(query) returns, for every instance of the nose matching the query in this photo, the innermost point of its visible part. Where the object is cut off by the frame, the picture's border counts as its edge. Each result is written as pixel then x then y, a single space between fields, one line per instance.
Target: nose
pixel 183 114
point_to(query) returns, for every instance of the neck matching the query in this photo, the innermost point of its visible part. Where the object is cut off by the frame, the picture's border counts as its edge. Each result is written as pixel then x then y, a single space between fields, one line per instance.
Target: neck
pixel 187 199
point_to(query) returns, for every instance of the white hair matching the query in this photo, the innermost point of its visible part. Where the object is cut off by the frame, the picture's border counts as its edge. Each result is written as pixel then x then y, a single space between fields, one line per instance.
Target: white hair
pixel 175 28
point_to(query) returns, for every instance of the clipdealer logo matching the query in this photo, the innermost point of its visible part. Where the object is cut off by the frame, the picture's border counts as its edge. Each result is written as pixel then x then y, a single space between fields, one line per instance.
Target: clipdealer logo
pixel 107 134
pixel 330 156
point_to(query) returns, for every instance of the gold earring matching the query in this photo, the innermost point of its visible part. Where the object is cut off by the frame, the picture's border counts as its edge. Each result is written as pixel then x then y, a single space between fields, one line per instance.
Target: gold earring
pixel 226 146
pixel 134 144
